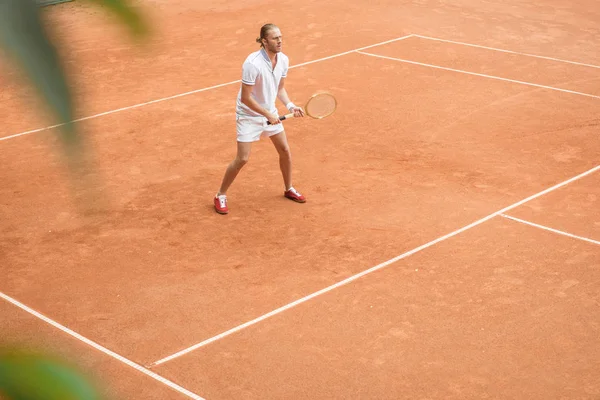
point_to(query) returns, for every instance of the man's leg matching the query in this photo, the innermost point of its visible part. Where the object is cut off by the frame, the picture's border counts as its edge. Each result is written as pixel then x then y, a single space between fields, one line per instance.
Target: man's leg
pixel 285 164
pixel 285 157
pixel 220 200
pixel 241 159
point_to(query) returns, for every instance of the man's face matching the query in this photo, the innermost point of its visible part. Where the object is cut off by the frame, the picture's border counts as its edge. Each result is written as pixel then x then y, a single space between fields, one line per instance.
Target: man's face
pixel 273 41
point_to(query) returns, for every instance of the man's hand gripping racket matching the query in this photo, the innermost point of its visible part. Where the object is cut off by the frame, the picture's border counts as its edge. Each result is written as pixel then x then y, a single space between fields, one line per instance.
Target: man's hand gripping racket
pixel 320 105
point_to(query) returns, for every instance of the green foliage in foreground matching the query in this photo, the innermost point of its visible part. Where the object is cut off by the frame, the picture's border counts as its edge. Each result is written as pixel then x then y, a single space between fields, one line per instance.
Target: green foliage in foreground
pixel 24 39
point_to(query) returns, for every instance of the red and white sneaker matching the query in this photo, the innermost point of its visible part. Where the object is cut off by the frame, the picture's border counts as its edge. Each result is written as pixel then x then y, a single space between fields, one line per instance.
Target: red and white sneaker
pixel 221 204
pixel 293 194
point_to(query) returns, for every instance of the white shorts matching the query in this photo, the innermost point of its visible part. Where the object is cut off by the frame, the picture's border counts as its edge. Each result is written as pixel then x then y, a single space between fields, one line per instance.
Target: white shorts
pixel 250 129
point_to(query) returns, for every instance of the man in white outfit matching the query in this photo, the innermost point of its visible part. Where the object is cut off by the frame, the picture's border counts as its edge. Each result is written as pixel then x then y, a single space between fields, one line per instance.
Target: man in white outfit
pixel 263 82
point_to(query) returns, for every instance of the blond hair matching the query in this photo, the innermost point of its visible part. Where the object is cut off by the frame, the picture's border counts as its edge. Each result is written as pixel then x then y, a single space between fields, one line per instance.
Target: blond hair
pixel 264 31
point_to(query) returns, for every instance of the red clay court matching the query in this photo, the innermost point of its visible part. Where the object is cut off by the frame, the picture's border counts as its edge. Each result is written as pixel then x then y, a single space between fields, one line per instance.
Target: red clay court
pixel 449 248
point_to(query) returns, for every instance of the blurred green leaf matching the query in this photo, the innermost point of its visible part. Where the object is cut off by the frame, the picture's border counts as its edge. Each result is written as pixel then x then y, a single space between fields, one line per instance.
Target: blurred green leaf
pixel 33 376
pixel 128 15
pixel 25 40
pixel 23 37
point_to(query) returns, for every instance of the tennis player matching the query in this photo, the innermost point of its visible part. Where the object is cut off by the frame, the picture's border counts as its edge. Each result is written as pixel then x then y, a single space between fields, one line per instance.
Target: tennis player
pixel 263 82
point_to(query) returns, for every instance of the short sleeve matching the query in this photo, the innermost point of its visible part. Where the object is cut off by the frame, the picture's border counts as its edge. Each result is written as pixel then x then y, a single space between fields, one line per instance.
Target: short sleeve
pixel 249 73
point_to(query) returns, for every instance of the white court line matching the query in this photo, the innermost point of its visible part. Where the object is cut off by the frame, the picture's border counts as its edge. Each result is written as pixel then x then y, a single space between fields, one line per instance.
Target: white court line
pixel 507 51
pixel 368 271
pixel 196 91
pixel 119 110
pixel 101 348
pixel 550 229
pixel 477 74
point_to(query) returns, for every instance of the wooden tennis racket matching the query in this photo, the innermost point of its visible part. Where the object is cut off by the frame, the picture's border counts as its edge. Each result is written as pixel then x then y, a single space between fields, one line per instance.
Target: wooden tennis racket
pixel 319 106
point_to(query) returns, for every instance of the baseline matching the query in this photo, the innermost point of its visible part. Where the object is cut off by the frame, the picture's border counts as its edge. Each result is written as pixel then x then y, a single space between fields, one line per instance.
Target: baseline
pixel 195 91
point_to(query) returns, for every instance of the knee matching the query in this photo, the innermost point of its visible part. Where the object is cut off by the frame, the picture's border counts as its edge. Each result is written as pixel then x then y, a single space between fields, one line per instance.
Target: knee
pixel 285 153
pixel 240 161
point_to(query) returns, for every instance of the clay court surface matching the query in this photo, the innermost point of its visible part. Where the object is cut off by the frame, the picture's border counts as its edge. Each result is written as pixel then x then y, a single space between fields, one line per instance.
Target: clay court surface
pixel 449 248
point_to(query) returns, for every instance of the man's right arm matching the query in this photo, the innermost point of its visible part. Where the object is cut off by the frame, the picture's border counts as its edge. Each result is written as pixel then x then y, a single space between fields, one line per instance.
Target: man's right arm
pixel 252 104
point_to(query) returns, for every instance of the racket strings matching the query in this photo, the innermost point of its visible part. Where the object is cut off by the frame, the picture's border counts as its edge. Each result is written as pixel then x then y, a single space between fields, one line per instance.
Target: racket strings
pixel 321 105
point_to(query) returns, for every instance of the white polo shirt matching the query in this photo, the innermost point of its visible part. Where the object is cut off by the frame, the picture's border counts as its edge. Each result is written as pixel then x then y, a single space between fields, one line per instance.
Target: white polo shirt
pixel 257 71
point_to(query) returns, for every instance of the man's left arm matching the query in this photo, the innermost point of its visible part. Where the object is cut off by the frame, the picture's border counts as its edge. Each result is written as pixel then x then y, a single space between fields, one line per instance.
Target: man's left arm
pixel 283 96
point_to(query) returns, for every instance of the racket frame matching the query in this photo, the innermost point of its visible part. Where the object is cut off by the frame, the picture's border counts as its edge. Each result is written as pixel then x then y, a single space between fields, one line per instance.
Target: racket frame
pixel 291 115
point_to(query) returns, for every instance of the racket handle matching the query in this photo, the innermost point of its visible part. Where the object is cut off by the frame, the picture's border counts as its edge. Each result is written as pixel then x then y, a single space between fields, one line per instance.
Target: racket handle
pixel 286 116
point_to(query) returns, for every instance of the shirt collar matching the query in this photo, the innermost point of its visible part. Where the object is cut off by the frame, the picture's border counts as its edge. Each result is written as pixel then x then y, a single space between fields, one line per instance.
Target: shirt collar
pixel 266 56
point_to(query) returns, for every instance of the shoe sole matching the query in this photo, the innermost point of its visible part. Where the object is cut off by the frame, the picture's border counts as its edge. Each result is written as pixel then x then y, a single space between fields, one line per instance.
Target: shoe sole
pixel 296 200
